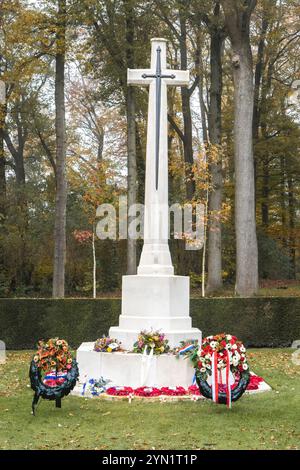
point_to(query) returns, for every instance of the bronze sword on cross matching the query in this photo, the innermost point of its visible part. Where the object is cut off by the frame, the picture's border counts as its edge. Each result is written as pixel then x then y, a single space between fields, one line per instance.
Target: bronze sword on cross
pixel 156 76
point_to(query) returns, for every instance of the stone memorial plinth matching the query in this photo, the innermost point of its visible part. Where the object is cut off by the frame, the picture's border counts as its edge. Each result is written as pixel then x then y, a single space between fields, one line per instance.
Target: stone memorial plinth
pixel 134 370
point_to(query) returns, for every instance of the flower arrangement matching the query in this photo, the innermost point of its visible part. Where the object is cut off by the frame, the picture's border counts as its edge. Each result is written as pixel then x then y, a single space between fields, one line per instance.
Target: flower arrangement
pixel 151 340
pixel 226 347
pixel 192 390
pixel 147 392
pixel 107 344
pixel 95 387
pixel 52 355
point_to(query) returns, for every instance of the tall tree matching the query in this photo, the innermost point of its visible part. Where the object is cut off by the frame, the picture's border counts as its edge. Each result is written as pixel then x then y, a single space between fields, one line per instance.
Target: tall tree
pixel 217 35
pixel 186 94
pixel 60 130
pixel 131 131
pixel 2 155
pixel 114 25
pixel 237 18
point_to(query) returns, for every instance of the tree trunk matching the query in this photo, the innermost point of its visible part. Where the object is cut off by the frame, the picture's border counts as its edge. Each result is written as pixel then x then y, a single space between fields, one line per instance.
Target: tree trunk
pixel 214 281
pixel 94 266
pixel 265 194
pixel 282 201
pixel 237 17
pixel 199 71
pixel 100 146
pixel 3 111
pixel 140 163
pixel 24 267
pixel 61 184
pixel 2 163
pixel 258 78
pixel 2 173
pixel 131 134
pixel 259 67
pixel 186 110
pixel 292 241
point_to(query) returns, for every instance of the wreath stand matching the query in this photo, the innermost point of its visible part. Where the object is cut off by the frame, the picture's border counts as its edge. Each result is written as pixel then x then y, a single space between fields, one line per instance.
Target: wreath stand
pixel 51 393
pixel 236 393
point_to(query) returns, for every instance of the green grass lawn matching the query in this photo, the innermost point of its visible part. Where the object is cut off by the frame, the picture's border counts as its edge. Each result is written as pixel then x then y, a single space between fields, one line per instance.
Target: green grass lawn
pixel 269 420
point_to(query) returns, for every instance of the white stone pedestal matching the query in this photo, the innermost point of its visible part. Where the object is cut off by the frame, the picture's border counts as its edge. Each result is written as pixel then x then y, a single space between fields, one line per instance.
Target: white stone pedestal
pixel 134 370
pixel 155 302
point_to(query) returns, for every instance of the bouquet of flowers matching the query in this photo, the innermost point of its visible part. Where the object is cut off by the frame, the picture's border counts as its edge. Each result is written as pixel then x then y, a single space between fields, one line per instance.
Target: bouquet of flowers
pixel 53 355
pixel 227 348
pixel 107 344
pixel 95 387
pixel 151 340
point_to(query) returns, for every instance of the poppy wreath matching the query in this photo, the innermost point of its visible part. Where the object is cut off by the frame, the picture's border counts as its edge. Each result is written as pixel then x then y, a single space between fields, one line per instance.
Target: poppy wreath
pixel 220 352
pixel 52 355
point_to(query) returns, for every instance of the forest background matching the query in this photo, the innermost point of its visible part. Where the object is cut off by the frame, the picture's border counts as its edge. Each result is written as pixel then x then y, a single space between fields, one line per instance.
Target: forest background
pixel 73 136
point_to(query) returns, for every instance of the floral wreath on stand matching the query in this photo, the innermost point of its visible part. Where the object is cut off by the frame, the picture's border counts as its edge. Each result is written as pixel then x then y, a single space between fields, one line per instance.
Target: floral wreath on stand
pixel 218 353
pixel 54 360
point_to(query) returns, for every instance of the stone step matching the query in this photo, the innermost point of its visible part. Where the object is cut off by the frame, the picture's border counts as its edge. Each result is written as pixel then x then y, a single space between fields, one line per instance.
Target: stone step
pixel 154 323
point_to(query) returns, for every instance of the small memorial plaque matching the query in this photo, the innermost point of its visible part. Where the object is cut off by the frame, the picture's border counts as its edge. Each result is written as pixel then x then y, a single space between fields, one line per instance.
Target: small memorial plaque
pixel 2 352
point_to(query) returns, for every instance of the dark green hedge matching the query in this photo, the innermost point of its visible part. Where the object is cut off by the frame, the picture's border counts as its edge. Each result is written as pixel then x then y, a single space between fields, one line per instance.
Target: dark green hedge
pixel 260 322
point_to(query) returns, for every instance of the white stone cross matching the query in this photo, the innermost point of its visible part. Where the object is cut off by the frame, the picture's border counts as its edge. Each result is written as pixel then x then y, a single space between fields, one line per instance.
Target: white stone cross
pixel 156 258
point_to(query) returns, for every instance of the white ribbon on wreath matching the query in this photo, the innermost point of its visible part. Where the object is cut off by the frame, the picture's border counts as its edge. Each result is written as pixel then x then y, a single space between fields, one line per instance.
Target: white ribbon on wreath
pixel 147 360
pixel 215 378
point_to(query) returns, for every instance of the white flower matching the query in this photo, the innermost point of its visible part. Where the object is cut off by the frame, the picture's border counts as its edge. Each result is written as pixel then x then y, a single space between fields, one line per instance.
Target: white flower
pixel 245 366
pixel 228 346
pixel 234 346
pixel 237 356
pixel 243 355
pixel 235 361
pixel 209 337
pixel 195 398
pixel 242 349
pixel 213 344
pixel 229 337
pixel 203 369
pixel 207 356
pixel 208 366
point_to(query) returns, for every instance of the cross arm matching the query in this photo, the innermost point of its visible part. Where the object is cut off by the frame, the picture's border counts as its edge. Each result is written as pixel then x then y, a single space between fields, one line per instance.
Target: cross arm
pixel 182 77
pixel 135 76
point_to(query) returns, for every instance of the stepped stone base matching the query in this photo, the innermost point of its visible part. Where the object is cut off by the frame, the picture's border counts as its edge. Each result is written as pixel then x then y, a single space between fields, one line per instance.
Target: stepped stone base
pixel 157 302
pixel 149 302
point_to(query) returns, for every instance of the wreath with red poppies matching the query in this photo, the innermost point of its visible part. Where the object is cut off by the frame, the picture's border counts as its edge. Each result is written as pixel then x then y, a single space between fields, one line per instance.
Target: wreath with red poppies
pixel 219 352
pixel 53 372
